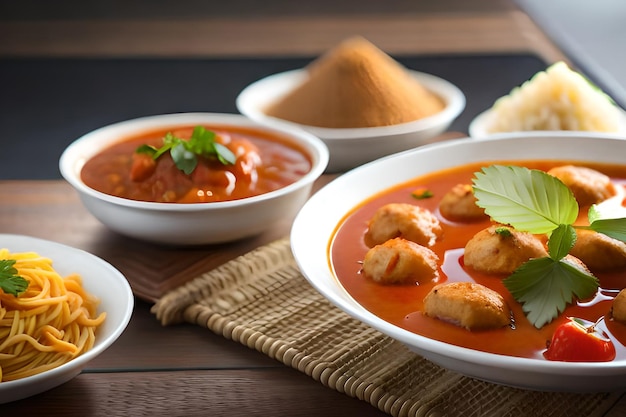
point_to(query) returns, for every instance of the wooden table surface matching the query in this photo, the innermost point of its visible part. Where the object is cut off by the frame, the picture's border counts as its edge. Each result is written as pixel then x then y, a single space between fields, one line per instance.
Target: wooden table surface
pixel 186 370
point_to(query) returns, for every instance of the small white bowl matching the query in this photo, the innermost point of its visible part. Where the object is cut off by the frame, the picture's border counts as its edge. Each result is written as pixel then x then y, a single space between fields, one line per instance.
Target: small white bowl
pixel 197 223
pixel 351 147
pixel 479 126
pixel 317 222
pixel 100 279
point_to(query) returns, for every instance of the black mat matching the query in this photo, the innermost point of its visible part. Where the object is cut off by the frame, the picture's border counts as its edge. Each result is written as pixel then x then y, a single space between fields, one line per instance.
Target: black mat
pixel 45 104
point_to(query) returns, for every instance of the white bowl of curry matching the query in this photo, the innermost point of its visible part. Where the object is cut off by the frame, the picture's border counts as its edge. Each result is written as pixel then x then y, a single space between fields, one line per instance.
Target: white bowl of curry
pixel 193 178
pixel 519 183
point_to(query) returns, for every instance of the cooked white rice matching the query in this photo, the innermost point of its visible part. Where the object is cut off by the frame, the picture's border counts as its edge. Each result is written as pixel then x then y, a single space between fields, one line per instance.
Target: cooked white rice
pixel 555 99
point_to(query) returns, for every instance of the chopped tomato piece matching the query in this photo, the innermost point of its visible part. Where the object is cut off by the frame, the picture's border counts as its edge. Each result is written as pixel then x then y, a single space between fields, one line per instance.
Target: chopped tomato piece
pixel 578 341
pixel 143 167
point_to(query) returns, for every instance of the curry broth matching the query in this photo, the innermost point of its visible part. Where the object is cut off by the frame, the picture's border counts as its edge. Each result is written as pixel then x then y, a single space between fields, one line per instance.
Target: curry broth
pixel 282 163
pixel 401 305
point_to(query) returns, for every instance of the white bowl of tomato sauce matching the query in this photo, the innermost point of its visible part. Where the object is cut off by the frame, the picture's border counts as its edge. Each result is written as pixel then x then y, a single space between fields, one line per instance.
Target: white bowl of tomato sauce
pixel 193 178
pixel 510 175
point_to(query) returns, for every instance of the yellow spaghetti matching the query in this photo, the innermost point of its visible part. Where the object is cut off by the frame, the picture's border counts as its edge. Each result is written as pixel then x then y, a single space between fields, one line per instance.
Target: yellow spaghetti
pixel 49 324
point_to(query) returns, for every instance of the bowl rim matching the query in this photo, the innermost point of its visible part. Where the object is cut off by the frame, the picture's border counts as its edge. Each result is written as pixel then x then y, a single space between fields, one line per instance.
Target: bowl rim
pixel 452 95
pixel 477 127
pixel 337 295
pixel 40 246
pixel 316 149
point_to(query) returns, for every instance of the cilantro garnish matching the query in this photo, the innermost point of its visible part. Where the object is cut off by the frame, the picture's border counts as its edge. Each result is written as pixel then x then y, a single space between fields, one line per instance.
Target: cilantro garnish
pixel 503 231
pixel 185 153
pixel 10 281
pixel 422 193
pixel 539 203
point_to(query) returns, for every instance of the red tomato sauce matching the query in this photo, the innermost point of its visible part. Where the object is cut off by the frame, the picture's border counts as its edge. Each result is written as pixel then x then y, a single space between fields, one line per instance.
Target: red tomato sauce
pixel 402 305
pixel 264 163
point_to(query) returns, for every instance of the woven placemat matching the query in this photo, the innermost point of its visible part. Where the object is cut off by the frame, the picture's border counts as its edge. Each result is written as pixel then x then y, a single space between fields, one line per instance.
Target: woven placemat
pixel 262 301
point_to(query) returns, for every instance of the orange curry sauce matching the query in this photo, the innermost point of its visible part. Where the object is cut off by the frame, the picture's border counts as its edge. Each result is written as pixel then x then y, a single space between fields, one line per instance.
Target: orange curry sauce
pixel 265 162
pixel 402 304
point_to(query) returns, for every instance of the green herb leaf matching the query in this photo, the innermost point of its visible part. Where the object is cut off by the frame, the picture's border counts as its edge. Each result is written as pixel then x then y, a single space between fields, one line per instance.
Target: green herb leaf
pixel 147 149
pixel 609 218
pixel 528 200
pixel 184 159
pixel 615 228
pixel 561 241
pixel 545 286
pixel 169 141
pixel 608 209
pixel 224 154
pixel 422 193
pixel 185 153
pixel 10 281
pixel 594 213
pixel 202 142
pixel 503 231
pixel 536 202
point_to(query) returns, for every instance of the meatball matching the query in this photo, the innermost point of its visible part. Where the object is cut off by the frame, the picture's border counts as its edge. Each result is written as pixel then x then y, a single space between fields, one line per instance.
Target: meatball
pixel 468 305
pixel 501 250
pixel 588 185
pixel 410 222
pixel 618 309
pixel 459 205
pixel 399 261
pixel 598 251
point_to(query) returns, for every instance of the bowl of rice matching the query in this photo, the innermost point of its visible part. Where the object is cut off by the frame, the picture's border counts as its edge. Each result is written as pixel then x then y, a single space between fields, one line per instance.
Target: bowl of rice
pixel 557 99
pixel 359 101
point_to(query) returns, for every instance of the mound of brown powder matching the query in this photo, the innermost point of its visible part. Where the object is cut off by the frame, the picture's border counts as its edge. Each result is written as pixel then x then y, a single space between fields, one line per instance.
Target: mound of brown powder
pixel 356 84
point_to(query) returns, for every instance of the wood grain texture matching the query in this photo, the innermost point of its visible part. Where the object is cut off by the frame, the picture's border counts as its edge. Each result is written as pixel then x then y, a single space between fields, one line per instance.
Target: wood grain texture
pixel 425 33
pixel 258 392
pixel 147 345
pixel 52 210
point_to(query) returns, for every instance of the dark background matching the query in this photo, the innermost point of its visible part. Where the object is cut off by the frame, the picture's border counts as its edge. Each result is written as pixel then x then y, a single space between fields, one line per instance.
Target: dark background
pixel 47 103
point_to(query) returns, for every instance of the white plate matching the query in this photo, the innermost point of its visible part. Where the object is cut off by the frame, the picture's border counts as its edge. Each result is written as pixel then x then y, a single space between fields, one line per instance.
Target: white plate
pixel 100 279
pixel 316 223
pixel 350 147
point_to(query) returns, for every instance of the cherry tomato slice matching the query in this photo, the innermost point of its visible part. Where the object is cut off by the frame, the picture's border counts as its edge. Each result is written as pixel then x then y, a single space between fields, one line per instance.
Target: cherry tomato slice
pixel 579 341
